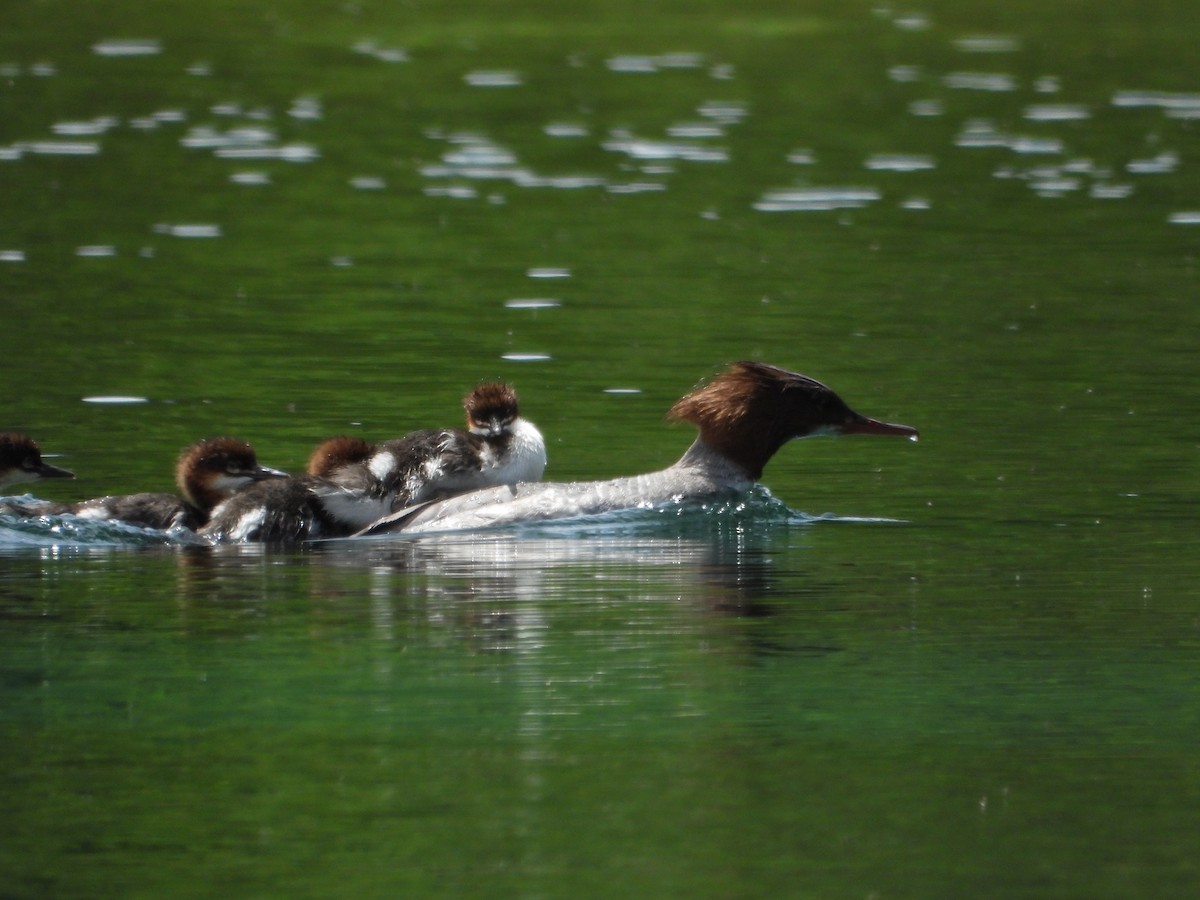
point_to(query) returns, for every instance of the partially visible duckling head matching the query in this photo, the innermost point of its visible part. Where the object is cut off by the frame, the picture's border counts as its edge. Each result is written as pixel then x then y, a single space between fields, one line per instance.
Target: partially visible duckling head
pixel 491 409
pixel 336 453
pixel 21 461
pixel 752 409
pixel 213 469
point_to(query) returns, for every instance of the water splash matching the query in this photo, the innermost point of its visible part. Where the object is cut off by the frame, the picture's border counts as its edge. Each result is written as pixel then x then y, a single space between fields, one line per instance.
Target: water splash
pixel 24 532
pixel 757 511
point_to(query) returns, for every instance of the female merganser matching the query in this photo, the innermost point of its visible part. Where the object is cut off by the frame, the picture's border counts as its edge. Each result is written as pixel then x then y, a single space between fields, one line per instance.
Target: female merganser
pixel 207 473
pixel 292 509
pixel 21 461
pixel 352 484
pixel 744 414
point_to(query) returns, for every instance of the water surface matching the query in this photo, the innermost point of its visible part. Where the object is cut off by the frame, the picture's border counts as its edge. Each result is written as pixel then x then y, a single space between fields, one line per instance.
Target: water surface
pixel 960 667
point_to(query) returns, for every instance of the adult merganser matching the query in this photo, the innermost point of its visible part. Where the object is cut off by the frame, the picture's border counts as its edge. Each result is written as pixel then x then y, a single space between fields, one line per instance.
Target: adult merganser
pixel 352 484
pixel 21 461
pixel 745 414
pixel 291 509
pixel 207 472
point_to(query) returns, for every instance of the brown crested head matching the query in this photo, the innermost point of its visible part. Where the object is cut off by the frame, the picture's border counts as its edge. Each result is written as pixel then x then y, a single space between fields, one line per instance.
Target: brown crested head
pixel 212 469
pixel 336 453
pixel 21 460
pixel 491 408
pixel 752 409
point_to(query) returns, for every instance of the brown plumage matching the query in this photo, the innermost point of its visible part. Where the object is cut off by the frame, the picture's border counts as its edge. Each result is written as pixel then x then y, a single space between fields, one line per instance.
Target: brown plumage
pixel 752 409
pixel 330 455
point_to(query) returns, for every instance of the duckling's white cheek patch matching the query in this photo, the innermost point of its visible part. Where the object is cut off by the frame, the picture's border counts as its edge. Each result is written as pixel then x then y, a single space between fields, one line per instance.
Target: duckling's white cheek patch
pixel 227 484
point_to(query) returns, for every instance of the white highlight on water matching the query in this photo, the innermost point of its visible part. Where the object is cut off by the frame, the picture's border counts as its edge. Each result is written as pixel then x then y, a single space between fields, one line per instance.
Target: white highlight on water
pixel 123 47
pixel 816 199
pixel 494 79
pixel 532 303
pixel 899 162
pixel 189 230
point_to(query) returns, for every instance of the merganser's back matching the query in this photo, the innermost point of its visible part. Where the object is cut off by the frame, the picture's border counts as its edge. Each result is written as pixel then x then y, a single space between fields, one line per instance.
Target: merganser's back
pixel 21 461
pixel 745 414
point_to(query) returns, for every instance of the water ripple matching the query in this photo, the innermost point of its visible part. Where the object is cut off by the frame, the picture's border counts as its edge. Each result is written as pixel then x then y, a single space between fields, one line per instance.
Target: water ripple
pixel 981 133
pixel 1167 100
pixel 189 230
pixel 1056 112
pixel 383 54
pixel 59 148
pixel 816 199
pixel 1162 164
pixel 121 47
pixel 96 250
pixel 88 128
pixel 645 65
pixel 647 149
pixel 988 43
pixel 980 81
pixel 494 79
pixel 899 162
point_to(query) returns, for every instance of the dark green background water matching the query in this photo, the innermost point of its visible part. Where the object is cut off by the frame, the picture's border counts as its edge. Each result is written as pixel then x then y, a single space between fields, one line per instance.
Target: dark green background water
pixel 995 696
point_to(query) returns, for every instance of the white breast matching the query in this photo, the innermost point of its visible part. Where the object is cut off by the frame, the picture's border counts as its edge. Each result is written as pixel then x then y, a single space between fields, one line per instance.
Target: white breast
pixel 525 459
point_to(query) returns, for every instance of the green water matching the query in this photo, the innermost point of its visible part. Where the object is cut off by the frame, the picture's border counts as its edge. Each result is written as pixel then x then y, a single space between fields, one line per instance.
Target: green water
pixel 976 679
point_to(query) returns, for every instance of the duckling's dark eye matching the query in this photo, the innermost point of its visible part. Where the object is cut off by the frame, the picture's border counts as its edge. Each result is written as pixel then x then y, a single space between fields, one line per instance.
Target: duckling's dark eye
pixel 29 464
